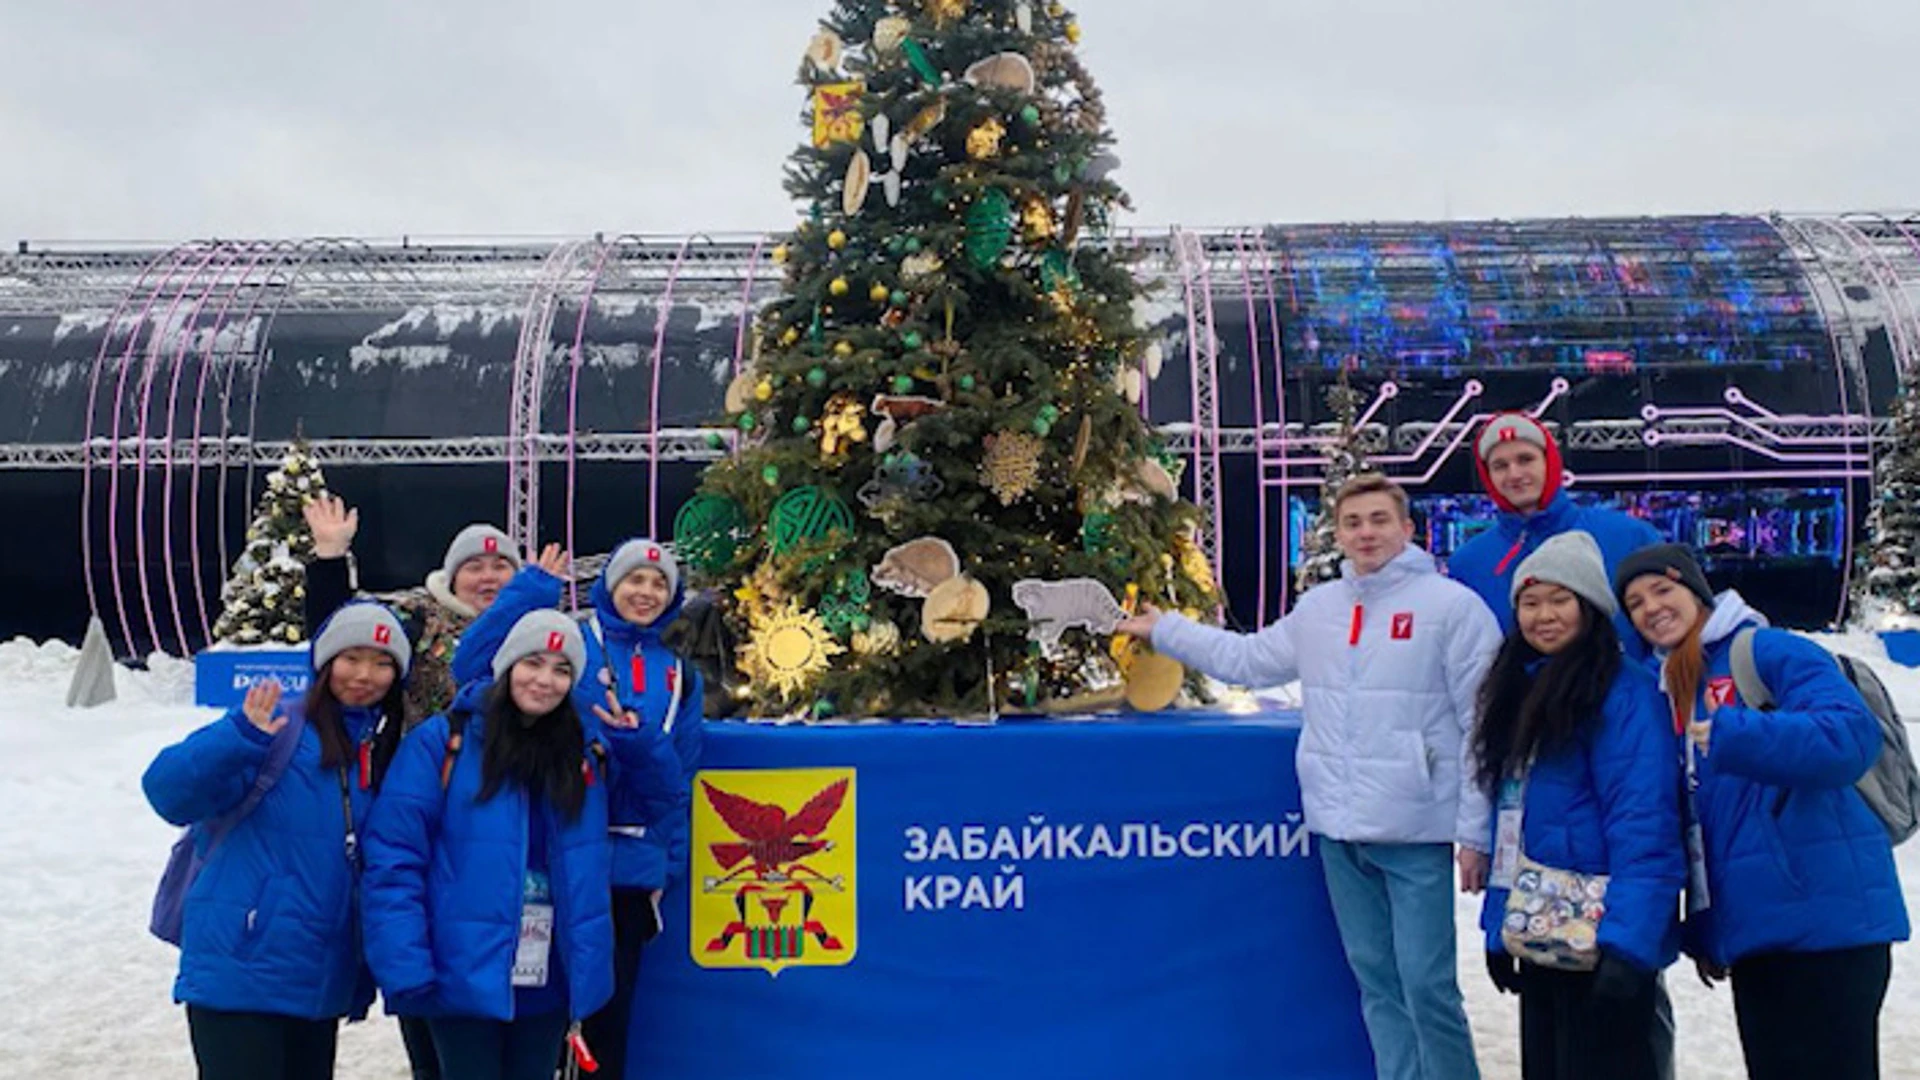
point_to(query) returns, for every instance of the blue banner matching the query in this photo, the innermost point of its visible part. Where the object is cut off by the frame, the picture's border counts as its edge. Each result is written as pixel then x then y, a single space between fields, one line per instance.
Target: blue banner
pixel 1052 899
pixel 222 677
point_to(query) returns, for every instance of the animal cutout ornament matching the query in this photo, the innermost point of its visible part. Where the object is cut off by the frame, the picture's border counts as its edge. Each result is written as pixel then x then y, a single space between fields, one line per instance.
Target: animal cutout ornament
pixel 1054 607
pixel 916 567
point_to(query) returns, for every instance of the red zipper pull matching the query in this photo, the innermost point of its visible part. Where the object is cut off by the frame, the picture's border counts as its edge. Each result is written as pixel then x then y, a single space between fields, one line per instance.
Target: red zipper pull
pixel 1511 552
pixel 582 1056
pixel 639 666
pixel 366 764
pixel 1359 617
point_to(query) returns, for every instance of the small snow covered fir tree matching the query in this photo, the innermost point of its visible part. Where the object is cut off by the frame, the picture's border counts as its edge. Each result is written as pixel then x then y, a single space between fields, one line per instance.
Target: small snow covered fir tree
pixel 1346 458
pixel 262 597
pixel 1892 578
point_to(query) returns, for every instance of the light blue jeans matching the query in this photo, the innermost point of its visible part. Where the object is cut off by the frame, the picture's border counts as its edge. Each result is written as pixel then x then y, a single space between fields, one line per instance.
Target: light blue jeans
pixel 1394 906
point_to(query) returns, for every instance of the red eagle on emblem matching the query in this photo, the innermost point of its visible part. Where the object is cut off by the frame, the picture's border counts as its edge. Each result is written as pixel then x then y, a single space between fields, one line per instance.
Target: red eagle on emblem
pixel 773 840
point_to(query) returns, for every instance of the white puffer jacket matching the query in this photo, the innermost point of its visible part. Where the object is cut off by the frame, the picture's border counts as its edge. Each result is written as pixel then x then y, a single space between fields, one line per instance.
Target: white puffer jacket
pixel 1390 665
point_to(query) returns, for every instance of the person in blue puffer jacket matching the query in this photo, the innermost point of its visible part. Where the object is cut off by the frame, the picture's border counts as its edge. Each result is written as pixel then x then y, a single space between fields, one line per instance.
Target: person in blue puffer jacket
pixel 1520 467
pixel 1575 743
pixel 488 874
pixel 270 958
pixel 1795 892
pixel 635 600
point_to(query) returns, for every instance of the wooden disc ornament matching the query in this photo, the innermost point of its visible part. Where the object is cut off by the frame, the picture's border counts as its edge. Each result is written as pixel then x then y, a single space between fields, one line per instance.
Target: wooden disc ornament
pixel 1153 681
pixel 859 179
pixel 954 609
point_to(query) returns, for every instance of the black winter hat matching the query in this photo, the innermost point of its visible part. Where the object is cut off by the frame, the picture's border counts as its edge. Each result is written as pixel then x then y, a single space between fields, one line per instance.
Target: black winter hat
pixel 1674 561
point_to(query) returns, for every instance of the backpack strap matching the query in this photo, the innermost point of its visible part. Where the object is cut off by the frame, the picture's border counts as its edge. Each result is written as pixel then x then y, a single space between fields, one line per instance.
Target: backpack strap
pixel 1746 674
pixel 279 756
pixel 456 738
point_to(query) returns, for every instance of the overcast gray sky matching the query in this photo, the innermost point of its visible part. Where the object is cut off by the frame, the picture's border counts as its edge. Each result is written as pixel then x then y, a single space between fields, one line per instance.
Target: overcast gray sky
pixel 164 119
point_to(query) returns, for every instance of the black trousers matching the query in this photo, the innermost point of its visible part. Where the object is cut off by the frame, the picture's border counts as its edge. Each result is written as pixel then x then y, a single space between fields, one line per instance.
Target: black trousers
pixel 421 1056
pixel 1812 1013
pixel 260 1046
pixel 1567 1032
pixel 606 1030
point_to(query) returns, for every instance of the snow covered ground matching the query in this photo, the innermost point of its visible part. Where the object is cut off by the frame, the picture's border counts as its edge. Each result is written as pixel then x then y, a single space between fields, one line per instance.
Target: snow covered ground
pixel 86 991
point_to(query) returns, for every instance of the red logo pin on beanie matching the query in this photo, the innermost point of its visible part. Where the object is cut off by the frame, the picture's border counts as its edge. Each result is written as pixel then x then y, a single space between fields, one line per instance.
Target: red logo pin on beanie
pixel 490 545
pixel 653 554
pixel 382 635
pixel 1508 434
pixel 556 642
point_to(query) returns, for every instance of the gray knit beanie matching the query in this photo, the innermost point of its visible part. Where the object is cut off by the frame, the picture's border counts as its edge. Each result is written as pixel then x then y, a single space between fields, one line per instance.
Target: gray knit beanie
pixel 538 632
pixel 640 552
pixel 362 625
pixel 1571 560
pixel 473 542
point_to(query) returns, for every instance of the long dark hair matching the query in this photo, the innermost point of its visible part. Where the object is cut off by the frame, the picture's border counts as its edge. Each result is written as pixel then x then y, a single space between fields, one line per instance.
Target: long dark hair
pixel 1524 716
pixel 323 712
pixel 546 755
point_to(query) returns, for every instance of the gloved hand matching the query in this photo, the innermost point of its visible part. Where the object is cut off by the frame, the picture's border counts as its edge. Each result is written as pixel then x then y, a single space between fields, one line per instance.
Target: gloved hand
pixel 1504 970
pixel 1618 978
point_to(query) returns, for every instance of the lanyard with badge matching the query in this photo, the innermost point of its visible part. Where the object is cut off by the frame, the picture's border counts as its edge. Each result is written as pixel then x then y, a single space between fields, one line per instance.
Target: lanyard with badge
pixel 1699 897
pixel 532 955
pixel 1508 822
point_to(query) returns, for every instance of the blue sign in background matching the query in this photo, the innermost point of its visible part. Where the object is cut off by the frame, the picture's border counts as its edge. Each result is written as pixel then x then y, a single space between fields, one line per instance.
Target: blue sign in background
pixel 1220 964
pixel 222 677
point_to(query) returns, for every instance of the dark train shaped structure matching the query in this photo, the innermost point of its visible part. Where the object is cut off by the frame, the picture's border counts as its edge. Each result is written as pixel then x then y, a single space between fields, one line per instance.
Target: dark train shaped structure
pixel 1725 377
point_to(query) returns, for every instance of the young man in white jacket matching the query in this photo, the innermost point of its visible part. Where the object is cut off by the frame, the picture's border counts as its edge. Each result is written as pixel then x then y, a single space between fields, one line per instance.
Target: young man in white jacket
pixel 1390 660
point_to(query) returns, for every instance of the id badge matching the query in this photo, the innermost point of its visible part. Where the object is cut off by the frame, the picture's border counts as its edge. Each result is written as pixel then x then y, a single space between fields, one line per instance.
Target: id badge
pixel 1699 897
pixel 536 945
pixel 1506 837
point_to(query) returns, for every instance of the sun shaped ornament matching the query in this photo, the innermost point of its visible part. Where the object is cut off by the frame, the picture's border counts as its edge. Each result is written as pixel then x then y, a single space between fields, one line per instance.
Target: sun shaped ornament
pixel 789 648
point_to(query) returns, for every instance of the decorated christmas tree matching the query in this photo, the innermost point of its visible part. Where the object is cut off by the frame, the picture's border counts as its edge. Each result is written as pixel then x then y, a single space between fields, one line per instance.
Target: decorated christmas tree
pixel 1346 457
pixel 262 597
pixel 943 402
pixel 1892 578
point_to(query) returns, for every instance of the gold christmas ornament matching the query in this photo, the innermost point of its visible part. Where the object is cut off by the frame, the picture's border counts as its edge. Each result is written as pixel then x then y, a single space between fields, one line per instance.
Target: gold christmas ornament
pixel 763 390
pixel 954 609
pixel 839 286
pixel 1153 681
pixel 824 50
pixel 790 335
pixel 926 120
pixel 838 239
pixel 1073 33
pixel 1036 218
pixel 946 11
pixel 889 34
pixel 880 638
pixel 1193 561
pixel 841 425
pixel 788 649
pixel 780 254
pixel 878 293
pixel 1012 465
pixel 983 141
pixel 859 178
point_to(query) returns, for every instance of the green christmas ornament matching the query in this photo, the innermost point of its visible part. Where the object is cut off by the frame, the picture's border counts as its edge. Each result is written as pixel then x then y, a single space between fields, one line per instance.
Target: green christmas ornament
pixel 1050 411
pixel 1030 115
pixel 1056 270
pixel 1042 426
pixel 902 384
pixel 800 424
pixel 746 421
pixel 911 339
pixel 989 228
pixel 896 244
pixel 917 58
pixel 716 441
pixel 913 245
pixel 804 515
pixel 816 377
pixel 822 708
pixel 843 607
pixel 770 475
pixel 898 298
pixel 1062 173
pixel 707 531
pixel 968 382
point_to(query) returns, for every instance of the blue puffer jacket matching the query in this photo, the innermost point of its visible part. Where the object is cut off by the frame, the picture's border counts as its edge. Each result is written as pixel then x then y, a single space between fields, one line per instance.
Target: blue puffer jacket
pixel 1796 862
pixel 1610 804
pixel 269 925
pixel 649 845
pixel 1486 563
pixel 443 888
